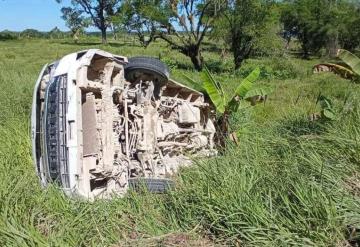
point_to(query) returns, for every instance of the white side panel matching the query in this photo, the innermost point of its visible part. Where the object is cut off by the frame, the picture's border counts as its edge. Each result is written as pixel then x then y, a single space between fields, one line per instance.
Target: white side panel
pixel 66 64
pixel 34 124
pixel 72 124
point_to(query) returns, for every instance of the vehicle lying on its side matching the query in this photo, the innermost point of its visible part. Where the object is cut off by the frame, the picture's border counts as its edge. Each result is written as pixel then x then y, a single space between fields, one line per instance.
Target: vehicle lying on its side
pixel 102 123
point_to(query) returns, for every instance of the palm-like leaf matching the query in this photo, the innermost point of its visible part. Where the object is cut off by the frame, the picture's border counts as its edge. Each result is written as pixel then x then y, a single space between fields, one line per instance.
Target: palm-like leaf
pixel 214 90
pixel 258 94
pixel 350 59
pixel 336 68
pixel 195 85
pixel 241 91
pixel 258 91
pixel 247 83
pixel 326 105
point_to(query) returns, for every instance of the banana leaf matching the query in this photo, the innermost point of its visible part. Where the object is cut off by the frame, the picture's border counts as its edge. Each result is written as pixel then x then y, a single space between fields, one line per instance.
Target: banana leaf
pixel 350 59
pixel 259 91
pixel 258 95
pixel 195 85
pixel 214 90
pixel 242 90
pixel 329 114
pixel 336 68
pixel 325 102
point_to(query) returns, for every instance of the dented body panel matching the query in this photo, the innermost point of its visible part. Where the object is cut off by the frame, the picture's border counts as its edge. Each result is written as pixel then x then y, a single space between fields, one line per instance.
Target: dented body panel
pixel 93 130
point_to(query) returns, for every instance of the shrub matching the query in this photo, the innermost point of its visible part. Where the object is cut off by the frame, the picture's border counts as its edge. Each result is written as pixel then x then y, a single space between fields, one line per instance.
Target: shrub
pixel 273 68
pixel 31 33
pixel 7 35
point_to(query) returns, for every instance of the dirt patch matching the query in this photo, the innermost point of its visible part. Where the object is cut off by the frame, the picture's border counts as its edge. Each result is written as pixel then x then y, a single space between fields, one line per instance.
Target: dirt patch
pixel 352 183
pixel 170 240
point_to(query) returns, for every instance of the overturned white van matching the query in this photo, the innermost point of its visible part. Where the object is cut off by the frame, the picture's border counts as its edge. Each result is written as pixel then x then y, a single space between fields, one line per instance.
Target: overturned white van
pixel 102 123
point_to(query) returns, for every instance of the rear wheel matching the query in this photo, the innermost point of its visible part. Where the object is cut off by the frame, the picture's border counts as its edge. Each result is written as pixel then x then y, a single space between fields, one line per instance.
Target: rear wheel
pixel 146 69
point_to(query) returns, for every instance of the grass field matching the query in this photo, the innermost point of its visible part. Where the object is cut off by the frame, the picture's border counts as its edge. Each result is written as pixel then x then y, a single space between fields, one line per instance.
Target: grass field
pixel 290 182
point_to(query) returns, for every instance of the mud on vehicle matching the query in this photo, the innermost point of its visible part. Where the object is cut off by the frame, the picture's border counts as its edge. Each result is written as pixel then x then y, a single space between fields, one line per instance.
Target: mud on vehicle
pixel 102 123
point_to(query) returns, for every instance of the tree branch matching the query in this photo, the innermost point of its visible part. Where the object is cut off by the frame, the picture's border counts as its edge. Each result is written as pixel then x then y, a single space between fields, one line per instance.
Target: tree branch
pixel 201 17
pixel 88 9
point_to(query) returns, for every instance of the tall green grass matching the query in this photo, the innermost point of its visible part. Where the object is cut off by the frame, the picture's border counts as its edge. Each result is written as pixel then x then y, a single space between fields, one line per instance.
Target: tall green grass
pixel 289 182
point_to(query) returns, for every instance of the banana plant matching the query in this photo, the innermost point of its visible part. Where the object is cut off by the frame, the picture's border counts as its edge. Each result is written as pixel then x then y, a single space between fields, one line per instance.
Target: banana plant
pixel 257 95
pixel 338 69
pixel 350 72
pixel 351 60
pixel 224 105
pixel 327 111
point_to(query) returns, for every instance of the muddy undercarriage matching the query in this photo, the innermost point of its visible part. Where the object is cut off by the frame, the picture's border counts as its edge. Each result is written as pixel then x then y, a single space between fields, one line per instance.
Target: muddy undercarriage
pixel 130 122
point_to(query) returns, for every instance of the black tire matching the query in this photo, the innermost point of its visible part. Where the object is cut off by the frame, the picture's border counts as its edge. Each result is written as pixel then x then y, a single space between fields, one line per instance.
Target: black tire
pixel 154 185
pixel 148 65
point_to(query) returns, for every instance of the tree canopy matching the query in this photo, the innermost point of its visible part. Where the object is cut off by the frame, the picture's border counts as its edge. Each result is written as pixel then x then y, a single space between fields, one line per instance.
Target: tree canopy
pixel 99 12
pixel 245 27
pixel 320 24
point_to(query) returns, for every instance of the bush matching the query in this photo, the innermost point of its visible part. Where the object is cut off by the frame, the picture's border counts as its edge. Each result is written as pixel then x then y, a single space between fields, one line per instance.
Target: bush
pixel 31 33
pixel 273 68
pixel 269 43
pixel 220 66
pixel 8 35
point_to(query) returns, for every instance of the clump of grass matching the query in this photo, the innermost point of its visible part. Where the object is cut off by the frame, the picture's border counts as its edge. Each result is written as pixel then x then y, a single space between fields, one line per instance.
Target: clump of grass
pixel 274 189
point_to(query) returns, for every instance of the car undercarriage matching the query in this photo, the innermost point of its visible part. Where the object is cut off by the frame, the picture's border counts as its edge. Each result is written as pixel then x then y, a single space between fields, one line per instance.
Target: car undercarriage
pixel 102 123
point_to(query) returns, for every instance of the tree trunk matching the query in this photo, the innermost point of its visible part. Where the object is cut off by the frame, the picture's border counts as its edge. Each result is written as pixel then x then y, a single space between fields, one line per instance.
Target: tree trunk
pixel 240 54
pixel 114 33
pixel 76 38
pixel 332 46
pixel 197 61
pixel 305 54
pixel 287 43
pixel 305 45
pixel 193 52
pixel 103 35
pixel 238 59
pixel 241 48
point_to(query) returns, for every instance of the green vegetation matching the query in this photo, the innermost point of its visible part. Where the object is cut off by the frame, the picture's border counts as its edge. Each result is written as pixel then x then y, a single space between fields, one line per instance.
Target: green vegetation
pixel 242 25
pixel 288 182
pixel 351 60
pixel 81 13
pixel 322 24
pixel 225 106
pixel 74 21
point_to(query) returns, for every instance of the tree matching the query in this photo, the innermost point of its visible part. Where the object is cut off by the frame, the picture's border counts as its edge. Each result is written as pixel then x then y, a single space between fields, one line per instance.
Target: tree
pixel 303 18
pixel 99 11
pixel 349 36
pixel 55 33
pixel 241 25
pixel 322 24
pixel 136 17
pixel 75 21
pixel 182 24
pixel 194 19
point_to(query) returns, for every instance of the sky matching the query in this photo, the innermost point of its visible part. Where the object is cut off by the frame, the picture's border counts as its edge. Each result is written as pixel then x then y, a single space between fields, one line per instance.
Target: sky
pixel 43 15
